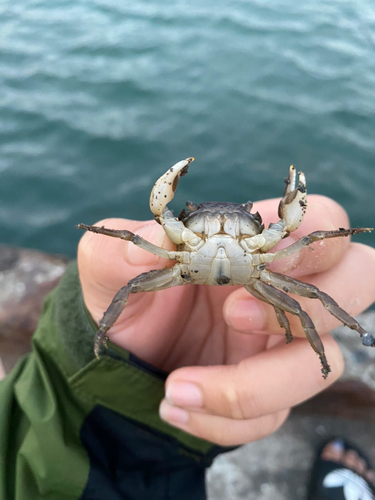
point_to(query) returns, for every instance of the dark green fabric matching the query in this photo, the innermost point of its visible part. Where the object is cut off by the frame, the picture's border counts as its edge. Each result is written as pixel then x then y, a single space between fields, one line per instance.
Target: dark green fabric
pixel 45 400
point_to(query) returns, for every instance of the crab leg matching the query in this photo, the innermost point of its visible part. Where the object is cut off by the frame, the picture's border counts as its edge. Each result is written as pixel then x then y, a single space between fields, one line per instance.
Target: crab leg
pixel 280 315
pixel 134 238
pixel 306 241
pixel 297 287
pixel 282 301
pixel 151 281
pixel 316 236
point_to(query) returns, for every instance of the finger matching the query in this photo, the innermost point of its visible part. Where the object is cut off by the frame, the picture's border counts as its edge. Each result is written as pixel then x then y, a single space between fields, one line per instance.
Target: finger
pixel 347 283
pixel 221 430
pixel 322 214
pixel 266 383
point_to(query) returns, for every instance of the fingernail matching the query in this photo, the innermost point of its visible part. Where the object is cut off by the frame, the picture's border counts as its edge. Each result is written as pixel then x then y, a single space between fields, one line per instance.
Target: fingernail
pixel 136 256
pixel 184 394
pixel 172 413
pixel 246 316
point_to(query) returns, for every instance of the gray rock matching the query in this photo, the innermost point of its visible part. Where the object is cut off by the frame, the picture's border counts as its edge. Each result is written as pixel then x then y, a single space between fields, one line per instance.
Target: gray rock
pixel 26 277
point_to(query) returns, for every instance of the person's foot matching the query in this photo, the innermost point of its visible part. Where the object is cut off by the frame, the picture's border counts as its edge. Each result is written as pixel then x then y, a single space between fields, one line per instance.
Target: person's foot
pixel 342 472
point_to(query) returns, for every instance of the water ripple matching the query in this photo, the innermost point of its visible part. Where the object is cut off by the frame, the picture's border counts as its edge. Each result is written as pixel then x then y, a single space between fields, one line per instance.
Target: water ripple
pixel 97 98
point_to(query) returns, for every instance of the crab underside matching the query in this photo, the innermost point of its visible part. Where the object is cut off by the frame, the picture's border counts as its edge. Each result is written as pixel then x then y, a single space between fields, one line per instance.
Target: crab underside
pixel 225 244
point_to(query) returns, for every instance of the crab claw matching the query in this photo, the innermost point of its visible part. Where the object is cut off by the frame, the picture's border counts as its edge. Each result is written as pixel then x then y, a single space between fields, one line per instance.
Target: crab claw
pixel 163 191
pixel 293 204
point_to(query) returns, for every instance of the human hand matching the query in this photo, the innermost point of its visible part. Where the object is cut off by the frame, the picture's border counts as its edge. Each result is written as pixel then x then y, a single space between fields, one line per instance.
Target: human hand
pixel 222 345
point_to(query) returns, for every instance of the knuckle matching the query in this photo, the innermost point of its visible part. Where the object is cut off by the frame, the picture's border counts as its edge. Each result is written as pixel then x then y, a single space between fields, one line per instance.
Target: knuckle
pixel 231 402
pixel 240 401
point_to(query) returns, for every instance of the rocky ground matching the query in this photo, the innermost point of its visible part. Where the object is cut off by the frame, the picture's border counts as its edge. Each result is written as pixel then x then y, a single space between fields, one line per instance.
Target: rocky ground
pixel 274 468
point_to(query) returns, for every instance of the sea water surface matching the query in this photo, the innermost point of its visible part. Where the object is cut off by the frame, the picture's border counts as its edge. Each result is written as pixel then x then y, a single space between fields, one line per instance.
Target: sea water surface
pixel 100 97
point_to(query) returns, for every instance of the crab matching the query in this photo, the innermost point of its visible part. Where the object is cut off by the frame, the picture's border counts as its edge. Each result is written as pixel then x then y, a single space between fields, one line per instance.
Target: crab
pixel 224 244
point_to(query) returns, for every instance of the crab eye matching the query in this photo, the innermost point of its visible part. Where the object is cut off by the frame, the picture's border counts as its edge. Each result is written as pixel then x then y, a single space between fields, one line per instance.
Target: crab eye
pixel 248 206
pixel 191 206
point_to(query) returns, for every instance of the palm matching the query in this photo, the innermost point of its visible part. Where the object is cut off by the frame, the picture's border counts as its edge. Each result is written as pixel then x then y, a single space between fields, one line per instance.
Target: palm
pixel 184 326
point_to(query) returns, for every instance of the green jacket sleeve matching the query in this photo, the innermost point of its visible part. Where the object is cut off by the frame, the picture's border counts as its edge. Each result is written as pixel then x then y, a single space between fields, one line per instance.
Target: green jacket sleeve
pixel 74 427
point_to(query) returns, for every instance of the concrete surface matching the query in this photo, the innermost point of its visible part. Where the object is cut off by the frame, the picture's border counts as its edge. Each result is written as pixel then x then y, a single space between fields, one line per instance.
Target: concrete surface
pixel 26 277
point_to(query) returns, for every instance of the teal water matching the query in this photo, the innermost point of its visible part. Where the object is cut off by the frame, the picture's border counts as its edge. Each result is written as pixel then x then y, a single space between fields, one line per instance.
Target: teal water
pixel 98 98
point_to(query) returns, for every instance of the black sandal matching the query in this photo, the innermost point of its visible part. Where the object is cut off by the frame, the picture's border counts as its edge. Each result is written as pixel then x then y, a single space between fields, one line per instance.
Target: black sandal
pixel 332 480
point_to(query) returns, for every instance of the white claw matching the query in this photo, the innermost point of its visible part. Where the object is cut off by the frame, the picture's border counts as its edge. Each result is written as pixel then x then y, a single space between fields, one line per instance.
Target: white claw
pixel 293 205
pixel 165 187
